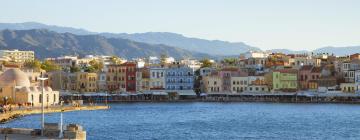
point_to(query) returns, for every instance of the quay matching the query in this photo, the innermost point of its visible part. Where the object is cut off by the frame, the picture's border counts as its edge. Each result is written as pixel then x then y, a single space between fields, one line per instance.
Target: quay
pixel 4 117
pixel 295 97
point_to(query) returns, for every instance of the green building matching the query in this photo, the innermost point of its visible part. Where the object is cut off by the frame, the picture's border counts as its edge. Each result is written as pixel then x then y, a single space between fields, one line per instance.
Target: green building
pixel 283 80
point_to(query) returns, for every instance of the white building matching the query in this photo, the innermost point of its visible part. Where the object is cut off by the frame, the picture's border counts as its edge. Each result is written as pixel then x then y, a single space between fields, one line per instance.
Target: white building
pixel 17 56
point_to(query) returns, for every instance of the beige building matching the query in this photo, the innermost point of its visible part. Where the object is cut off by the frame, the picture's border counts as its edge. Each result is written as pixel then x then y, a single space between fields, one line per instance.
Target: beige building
pixel 17 56
pixel 15 87
pixel 213 83
pixel 239 84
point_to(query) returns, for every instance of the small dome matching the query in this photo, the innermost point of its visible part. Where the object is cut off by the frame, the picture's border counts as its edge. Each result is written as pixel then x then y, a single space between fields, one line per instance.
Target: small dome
pixel 14 76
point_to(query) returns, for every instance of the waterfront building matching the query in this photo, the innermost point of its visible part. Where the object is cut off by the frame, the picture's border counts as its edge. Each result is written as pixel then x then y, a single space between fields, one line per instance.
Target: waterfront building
pixel 86 82
pixel 306 74
pixel 283 80
pixel 18 56
pixel 157 78
pixel 16 88
pixel 101 82
pixel 145 79
pixel 257 83
pixel 179 77
pixel 226 74
pixel 239 83
pixel 116 78
pixel 130 76
pixel 213 83
pixel 328 79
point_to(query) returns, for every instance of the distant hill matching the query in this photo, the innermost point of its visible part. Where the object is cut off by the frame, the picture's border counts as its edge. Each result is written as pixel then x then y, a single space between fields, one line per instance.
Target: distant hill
pixel 339 51
pixel 287 51
pixel 213 47
pixel 36 25
pixel 52 44
pixel 195 46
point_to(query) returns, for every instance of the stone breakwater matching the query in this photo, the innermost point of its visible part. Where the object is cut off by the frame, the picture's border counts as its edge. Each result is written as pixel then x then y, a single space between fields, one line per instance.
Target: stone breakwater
pixel 5 117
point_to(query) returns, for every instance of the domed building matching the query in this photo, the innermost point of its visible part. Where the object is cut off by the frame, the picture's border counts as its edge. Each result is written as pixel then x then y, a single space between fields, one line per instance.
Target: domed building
pixel 15 85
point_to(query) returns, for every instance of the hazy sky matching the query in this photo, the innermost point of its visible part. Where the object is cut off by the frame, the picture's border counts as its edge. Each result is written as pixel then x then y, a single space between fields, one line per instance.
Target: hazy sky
pixel 268 24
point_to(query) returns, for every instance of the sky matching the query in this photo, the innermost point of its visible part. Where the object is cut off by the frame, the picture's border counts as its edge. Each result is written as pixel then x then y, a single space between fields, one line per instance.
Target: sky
pixel 267 24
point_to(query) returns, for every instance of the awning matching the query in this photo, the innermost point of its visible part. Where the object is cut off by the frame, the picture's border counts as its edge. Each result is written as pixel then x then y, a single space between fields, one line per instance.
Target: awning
pixel 187 93
pixel 160 93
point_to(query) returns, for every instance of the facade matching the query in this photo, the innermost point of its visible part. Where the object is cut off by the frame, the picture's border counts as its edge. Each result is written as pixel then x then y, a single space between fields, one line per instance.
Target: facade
pixel 306 74
pixel 86 82
pixel 213 83
pixel 17 56
pixel 130 81
pixel 115 78
pixel 102 81
pixel 283 80
pixel 179 77
pixel 16 87
pixel 157 78
pixel 239 84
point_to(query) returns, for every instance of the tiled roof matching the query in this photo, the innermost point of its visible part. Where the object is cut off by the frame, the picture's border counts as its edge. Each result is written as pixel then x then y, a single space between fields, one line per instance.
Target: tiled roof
pixel 286 70
pixel 306 67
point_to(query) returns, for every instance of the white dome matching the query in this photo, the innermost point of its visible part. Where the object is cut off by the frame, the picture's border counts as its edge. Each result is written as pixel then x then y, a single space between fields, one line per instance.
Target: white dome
pixel 14 77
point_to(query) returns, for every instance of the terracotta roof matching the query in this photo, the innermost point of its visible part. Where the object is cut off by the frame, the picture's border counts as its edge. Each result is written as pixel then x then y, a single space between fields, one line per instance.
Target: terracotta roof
pixel 230 69
pixel 306 67
pixel 286 70
pixel 316 70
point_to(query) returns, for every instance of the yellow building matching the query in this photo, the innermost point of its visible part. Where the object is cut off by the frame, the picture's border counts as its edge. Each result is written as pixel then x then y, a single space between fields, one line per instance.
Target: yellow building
pixel 17 56
pixel 15 87
pixel 86 82
pixel 116 78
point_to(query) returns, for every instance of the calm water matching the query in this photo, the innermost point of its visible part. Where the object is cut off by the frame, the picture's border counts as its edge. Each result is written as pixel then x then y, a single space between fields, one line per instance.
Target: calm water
pixel 213 121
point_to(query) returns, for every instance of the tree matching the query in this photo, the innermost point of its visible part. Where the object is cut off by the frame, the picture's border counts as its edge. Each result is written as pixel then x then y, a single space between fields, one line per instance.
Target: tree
pixel 90 69
pixel 96 65
pixel 49 66
pixel 115 60
pixel 230 61
pixel 206 63
pixel 74 69
pixel 32 64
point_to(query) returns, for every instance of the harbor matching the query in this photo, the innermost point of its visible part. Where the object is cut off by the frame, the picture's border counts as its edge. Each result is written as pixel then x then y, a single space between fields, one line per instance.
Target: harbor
pixel 296 97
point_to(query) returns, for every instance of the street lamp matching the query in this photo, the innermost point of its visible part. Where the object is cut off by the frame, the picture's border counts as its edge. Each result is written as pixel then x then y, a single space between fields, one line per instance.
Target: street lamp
pixel 42 79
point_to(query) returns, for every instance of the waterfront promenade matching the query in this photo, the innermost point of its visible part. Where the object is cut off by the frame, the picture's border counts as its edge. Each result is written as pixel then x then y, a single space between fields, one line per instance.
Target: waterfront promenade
pixel 4 117
pixel 278 97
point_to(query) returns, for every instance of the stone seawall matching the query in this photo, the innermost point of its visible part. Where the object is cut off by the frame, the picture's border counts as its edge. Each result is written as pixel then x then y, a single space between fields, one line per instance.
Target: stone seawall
pixel 4 117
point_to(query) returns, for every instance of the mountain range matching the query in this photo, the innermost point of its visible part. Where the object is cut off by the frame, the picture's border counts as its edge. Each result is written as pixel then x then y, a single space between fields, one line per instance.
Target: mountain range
pixel 52 44
pixel 178 45
pixel 211 47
